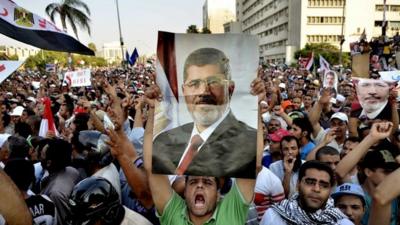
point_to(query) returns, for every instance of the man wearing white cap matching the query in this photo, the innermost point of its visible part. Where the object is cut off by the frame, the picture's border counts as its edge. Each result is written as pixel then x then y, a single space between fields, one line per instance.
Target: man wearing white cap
pixel 16 113
pixel 338 124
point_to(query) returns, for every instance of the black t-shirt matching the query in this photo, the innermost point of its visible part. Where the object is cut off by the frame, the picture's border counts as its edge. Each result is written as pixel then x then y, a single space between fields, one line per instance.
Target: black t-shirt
pixel 42 209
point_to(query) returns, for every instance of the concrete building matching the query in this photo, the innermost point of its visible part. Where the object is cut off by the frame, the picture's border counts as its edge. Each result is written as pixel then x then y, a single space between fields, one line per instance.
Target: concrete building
pixel 218 12
pixel 111 52
pixel 22 52
pixel 232 27
pixel 285 26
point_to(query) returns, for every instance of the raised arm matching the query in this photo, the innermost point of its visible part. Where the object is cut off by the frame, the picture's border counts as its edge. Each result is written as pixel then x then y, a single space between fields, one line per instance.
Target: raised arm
pixel 159 184
pixel 246 186
pixel 12 205
pixel 139 114
pixel 316 111
pixel 330 135
pixel 395 113
pixel 131 164
pixel 378 131
pixel 385 192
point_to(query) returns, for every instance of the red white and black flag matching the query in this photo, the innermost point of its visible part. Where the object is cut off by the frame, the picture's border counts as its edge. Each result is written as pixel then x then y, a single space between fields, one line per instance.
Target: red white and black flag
pixel 25 26
pixel 307 62
pixel 167 111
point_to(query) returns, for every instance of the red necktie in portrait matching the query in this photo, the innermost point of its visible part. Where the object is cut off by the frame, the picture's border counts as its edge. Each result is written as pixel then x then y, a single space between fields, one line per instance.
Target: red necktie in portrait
pixel 192 151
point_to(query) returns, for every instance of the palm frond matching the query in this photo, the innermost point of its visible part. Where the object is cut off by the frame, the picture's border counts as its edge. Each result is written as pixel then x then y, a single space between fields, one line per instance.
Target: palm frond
pixel 80 18
pixel 52 9
pixel 71 21
pixel 75 12
pixel 77 4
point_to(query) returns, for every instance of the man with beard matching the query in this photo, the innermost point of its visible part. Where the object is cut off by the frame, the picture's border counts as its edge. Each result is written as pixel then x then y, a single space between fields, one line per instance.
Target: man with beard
pixel 311 205
pixel 373 96
pixel 216 143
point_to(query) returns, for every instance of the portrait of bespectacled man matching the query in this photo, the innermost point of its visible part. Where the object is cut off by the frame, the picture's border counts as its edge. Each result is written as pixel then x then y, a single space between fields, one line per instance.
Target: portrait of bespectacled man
pixel 215 142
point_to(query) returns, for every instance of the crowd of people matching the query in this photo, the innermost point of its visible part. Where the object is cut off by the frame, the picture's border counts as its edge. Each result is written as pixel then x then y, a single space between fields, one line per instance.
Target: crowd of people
pixel 328 155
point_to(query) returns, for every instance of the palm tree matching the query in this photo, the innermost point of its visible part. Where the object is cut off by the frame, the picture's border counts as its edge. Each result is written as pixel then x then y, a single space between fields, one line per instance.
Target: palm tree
pixel 192 29
pixel 69 10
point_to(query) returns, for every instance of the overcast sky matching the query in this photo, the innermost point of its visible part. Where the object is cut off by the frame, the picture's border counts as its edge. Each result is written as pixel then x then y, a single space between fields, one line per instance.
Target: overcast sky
pixel 140 20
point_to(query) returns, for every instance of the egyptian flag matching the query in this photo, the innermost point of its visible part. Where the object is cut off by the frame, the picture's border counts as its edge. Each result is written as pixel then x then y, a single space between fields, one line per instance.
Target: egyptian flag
pixel 324 65
pixel 22 25
pixel 166 112
pixel 47 122
pixel 307 62
pixel 7 68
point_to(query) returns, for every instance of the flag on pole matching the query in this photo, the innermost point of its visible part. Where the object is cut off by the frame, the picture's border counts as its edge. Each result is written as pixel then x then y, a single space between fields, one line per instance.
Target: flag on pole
pixel 25 26
pixel 134 57
pixel 307 62
pixel 7 68
pixel 127 58
pixel 47 123
pixel 324 66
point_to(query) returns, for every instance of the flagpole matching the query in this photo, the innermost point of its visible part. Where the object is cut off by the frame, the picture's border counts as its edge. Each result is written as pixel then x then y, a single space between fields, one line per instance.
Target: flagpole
pixel 121 41
pixel 342 37
pixel 384 22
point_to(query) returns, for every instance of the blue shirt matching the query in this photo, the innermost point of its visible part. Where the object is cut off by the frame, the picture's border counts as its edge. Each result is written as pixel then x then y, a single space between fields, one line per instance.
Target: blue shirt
pixel 306 149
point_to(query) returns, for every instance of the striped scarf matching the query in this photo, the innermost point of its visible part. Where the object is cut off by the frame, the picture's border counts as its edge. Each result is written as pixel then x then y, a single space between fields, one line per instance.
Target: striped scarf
pixel 292 213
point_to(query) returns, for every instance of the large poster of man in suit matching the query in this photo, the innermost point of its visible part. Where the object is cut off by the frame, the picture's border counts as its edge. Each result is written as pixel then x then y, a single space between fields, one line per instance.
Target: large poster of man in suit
pixel 206 124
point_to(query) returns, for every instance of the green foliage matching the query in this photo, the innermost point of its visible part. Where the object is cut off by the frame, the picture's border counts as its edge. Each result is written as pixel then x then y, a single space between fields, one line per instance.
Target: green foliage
pixel 92 46
pixel 44 57
pixel 192 29
pixel 205 30
pixel 328 51
pixel 8 57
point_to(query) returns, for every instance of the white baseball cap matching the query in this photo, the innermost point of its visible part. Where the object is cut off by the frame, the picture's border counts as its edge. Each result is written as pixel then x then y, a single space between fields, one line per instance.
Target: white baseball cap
pixel 32 99
pixel 3 139
pixel 17 111
pixel 341 116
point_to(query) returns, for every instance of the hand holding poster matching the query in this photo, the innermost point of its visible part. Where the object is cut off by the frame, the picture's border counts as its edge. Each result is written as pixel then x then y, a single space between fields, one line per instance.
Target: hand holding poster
pixel 78 78
pixel 7 68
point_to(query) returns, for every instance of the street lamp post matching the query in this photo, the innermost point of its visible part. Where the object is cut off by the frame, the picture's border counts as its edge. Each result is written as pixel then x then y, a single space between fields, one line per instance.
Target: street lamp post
pixel 384 22
pixel 342 36
pixel 121 40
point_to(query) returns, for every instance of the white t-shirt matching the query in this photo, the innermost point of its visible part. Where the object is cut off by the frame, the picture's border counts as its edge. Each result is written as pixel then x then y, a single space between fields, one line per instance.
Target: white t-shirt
pixel 278 169
pixel 268 190
pixel 272 218
pixel 133 218
pixel 110 173
pixel 321 135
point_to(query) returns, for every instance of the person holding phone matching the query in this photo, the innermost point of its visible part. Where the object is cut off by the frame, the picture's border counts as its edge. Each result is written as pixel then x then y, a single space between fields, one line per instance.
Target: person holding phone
pixel 287 169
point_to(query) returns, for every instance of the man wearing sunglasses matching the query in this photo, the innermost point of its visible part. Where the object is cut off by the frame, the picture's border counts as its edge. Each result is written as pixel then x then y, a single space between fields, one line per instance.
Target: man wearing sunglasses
pixel 312 204
pixel 216 143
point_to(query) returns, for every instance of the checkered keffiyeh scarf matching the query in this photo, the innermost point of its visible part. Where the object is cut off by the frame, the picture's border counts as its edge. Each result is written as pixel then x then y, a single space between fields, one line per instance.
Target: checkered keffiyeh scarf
pixel 292 213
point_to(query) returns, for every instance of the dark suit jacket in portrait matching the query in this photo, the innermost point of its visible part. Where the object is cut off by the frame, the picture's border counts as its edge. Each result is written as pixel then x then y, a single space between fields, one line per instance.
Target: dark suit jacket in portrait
pixel 230 151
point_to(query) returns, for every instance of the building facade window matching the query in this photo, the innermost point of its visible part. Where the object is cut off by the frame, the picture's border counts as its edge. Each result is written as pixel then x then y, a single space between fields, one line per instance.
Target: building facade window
pixel 325 3
pixel 323 38
pixel 324 20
